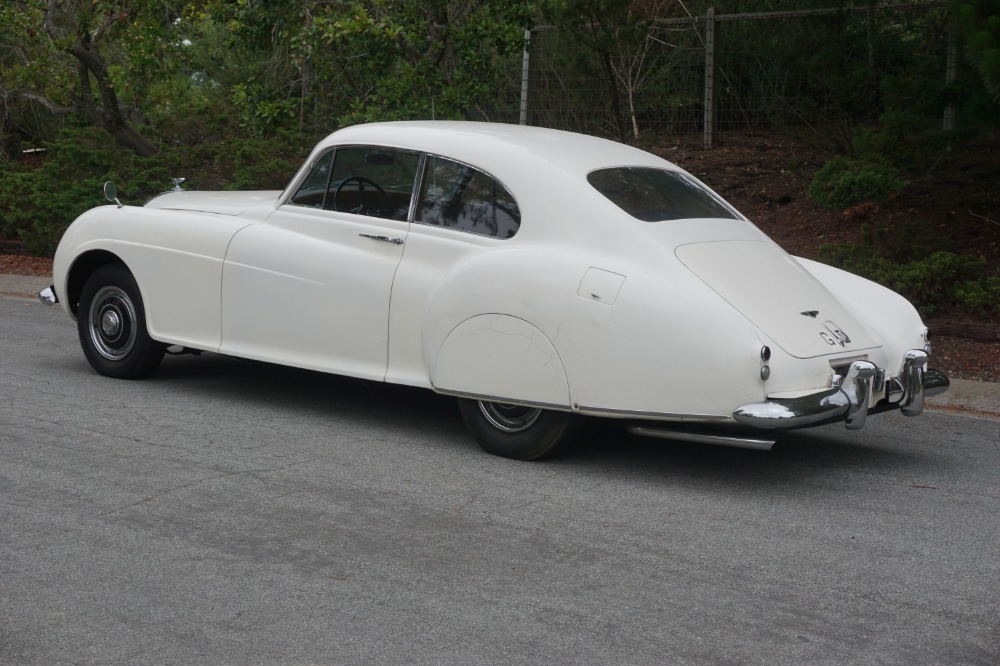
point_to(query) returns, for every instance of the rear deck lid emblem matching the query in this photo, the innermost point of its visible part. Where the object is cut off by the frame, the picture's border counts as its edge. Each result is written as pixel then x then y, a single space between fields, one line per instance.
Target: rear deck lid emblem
pixel 836 336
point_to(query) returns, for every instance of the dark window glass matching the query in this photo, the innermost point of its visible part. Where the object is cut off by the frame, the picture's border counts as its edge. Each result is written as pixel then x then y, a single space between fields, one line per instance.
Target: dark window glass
pixel 373 181
pixel 654 195
pixel 314 187
pixel 366 181
pixel 461 197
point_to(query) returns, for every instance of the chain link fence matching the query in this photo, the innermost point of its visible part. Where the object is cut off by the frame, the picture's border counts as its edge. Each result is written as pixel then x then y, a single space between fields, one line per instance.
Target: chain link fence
pixel 697 78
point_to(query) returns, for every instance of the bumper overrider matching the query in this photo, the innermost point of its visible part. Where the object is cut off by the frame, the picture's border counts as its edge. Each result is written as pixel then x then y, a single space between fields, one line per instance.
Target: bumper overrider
pixel 851 397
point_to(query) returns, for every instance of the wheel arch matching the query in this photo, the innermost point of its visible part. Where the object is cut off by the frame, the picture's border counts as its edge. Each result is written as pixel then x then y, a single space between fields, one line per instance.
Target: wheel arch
pixel 499 356
pixel 82 268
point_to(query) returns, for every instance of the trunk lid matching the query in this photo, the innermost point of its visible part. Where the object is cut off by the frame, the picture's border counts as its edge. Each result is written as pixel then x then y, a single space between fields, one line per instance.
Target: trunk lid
pixel 771 289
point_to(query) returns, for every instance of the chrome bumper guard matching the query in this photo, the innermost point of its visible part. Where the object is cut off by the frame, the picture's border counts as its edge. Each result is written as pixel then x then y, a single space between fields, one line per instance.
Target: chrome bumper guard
pixel 850 397
pixel 48 295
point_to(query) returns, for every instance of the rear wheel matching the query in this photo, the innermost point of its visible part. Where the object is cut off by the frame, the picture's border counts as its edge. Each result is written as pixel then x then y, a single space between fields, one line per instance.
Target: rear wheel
pixel 111 321
pixel 515 431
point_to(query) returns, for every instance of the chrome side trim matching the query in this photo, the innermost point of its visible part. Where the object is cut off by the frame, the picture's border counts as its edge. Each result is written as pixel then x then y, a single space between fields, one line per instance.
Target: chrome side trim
pixel 626 413
pixel 590 411
pixel 48 295
pixel 504 401
pixel 699 438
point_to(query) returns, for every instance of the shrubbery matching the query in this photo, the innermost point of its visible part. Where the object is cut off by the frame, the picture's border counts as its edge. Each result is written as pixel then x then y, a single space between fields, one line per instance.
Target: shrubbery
pixel 37 203
pixel 936 281
pixel 842 183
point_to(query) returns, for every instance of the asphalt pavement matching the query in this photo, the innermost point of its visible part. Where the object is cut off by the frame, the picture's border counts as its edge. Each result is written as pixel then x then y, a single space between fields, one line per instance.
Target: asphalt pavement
pixel 227 512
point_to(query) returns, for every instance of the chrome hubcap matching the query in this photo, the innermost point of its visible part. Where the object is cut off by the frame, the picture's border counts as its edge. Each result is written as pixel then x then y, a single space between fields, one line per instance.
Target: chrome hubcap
pixel 509 418
pixel 112 323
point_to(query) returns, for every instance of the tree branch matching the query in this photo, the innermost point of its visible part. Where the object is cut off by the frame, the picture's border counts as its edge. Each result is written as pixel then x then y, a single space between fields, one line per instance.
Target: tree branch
pixel 50 25
pixel 53 108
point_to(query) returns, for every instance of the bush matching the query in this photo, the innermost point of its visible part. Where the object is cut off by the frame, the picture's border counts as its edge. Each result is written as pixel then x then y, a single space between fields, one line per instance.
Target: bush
pixel 842 183
pixel 38 203
pixel 936 282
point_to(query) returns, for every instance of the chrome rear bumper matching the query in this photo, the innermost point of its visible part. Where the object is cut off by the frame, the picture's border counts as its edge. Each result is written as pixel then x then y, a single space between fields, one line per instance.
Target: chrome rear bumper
pixel 849 399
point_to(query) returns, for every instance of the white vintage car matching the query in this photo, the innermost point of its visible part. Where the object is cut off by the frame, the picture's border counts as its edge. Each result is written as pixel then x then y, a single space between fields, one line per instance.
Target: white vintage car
pixel 536 275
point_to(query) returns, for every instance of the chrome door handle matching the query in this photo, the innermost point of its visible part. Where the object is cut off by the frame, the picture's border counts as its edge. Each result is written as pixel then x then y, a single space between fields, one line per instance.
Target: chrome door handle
pixel 384 239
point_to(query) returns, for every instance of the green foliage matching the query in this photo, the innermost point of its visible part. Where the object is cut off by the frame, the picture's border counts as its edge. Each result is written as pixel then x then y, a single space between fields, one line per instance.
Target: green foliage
pixel 267 163
pixel 936 281
pixel 37 204
pixel 258 111
pixel 979 23
pixel 902 136
pixel 323 64
pixel 100 59
pixel 842 183
pixel 421 60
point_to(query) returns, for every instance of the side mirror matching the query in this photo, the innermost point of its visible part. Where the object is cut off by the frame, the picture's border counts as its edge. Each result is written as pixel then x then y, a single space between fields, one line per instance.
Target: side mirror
pixel 111 193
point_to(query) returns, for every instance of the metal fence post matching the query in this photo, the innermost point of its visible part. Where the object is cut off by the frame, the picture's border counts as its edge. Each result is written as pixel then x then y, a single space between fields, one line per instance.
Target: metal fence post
pixel 709 76
pixel 525 58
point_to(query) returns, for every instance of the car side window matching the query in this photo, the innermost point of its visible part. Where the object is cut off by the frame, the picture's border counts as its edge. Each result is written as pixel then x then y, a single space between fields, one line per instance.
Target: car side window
pixel 362 180
pixel 313 189
pixel 372 181
pixel 462 197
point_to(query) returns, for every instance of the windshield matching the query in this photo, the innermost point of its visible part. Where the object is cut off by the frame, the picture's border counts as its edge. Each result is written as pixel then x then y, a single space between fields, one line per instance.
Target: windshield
pixel 655 195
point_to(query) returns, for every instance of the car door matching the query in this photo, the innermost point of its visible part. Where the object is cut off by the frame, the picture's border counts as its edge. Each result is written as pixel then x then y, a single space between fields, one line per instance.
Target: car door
pixel 310 287
pixel 460 212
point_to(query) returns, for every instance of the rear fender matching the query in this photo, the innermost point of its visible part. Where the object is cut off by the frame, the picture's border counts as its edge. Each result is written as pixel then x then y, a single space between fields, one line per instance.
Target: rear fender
pixel 498 356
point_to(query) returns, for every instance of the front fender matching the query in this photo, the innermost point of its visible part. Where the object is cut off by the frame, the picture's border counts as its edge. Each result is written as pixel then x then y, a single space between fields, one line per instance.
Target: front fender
pixel 176 258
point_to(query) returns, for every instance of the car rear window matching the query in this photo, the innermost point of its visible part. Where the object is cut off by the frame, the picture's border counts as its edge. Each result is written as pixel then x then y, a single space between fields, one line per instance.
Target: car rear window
pixel 655 195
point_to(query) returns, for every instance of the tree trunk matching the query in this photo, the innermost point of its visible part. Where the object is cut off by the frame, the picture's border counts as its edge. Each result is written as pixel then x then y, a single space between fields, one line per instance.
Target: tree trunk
pixel 616 107
pixel 107 114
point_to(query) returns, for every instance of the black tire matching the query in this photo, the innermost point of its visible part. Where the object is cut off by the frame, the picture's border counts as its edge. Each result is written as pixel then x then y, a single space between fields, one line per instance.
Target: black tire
pixel 513 431
pixel 111 321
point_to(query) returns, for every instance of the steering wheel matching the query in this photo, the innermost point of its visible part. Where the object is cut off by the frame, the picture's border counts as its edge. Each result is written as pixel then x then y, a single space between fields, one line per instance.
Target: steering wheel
pixel 362 208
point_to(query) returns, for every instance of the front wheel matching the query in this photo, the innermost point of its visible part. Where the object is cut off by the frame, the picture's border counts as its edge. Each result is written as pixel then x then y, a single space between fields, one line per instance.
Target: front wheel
pixel 515 431
pixel 111 322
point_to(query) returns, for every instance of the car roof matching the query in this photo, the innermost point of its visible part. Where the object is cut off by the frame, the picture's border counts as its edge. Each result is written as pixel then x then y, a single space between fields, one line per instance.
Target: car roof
pixel 502 149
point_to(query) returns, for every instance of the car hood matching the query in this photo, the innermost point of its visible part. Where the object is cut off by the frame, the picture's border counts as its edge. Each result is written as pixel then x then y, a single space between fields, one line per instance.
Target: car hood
pixel 775 292
pixel 220 203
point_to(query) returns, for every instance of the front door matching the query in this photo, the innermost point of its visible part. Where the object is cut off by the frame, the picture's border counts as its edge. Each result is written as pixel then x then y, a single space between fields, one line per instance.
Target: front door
pixel 310 286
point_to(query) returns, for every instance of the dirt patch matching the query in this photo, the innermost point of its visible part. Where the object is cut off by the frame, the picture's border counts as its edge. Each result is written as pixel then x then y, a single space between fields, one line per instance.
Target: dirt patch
pixel 18 264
